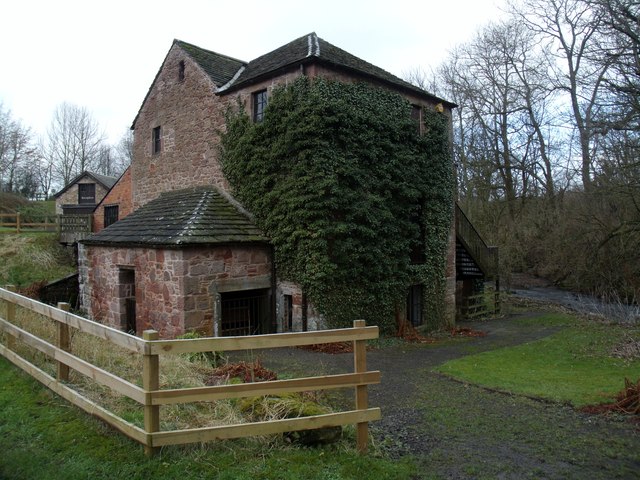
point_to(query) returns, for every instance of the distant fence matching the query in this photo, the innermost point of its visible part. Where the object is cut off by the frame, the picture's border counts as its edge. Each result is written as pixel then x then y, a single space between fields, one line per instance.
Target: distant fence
pixel 151 396
pixel 17 223
pixel 75 227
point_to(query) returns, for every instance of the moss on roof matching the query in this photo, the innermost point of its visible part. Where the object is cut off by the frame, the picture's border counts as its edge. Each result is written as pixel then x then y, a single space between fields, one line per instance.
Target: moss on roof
pixel 194 216
pixel 220 68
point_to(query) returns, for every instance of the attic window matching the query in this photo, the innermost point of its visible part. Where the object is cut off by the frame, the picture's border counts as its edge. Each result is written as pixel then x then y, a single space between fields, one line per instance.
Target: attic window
pixel 181 71
pixel 156 143
pixel 259 104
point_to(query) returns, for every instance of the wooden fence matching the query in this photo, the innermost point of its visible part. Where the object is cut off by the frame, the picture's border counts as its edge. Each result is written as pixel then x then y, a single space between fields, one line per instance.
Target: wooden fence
pixel 14 222
pixel 75 227
pixel 150 396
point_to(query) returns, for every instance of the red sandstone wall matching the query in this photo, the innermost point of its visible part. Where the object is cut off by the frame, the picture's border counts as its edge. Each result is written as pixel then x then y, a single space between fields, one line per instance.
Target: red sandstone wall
pixel 190 115
pixel 174 289
pixel 119 195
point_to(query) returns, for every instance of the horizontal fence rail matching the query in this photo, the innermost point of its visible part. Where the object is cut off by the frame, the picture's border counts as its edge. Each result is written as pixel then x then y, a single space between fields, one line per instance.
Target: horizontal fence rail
pixel 150 396
pixel 17 223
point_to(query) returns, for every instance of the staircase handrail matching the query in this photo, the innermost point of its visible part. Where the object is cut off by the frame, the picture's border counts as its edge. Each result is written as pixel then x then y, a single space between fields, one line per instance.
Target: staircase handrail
pixel 484 255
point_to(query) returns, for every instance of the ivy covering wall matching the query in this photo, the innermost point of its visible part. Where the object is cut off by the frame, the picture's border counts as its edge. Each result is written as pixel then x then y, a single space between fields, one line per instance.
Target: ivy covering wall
pixel 338 177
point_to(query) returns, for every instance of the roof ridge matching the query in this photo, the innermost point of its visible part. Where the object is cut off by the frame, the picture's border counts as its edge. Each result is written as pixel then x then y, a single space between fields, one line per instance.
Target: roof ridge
pixel 182 42
pixel 199 207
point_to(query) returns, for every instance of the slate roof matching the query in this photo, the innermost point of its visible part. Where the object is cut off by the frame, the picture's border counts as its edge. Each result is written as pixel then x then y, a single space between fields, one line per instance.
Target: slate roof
pixel 309 48
pixel 220 68
pixel 190 217
pixel 104 180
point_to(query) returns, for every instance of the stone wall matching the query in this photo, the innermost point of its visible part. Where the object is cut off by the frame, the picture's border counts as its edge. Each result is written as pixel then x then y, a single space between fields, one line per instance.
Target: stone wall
pixel 189 115
pixel 314 319
pixel 70 197
pixel 175 290
pixel 120 194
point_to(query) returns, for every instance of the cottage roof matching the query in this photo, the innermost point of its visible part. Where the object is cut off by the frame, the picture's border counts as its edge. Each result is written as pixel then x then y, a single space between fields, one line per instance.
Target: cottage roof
pixel 194 216
pixel 106 181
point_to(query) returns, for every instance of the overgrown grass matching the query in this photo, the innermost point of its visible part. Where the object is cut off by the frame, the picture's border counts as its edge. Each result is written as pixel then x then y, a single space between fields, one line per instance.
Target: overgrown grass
pixel 575 365
pixel 29 258
pixel 42 436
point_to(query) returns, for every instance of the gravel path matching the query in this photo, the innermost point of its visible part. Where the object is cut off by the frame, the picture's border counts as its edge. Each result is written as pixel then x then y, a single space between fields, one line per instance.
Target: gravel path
pixel 453 430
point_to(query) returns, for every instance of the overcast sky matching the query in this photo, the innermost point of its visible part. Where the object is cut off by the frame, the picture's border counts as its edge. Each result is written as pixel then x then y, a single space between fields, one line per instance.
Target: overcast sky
pixel 104 55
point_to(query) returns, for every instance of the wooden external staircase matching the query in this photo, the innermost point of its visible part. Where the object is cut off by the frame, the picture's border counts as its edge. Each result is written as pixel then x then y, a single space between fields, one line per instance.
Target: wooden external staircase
pixel 475 262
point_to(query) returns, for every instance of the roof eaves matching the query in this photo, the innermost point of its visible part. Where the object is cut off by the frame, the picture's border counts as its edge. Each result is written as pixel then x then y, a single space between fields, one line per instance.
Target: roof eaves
pixel 98 178
pixel 400 84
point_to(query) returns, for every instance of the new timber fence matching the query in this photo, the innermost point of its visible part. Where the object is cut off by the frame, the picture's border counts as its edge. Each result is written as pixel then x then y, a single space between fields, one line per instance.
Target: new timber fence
pixel 148 392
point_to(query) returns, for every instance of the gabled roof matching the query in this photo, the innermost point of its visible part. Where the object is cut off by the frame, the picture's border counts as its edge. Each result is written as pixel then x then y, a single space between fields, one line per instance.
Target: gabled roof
pixel 309 48
pixel 195 216
pixel 220 68
pixel 229 74
pixel 104 180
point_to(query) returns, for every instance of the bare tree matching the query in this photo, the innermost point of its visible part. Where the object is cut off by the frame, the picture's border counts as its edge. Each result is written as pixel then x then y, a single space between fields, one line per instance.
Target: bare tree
pixel 16 152
pixel 620 47
pixel 124 150
pixel 569 30
pixel 73 142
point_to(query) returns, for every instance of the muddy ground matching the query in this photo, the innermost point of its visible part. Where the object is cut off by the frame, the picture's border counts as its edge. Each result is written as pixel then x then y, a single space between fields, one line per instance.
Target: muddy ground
pixel 454 430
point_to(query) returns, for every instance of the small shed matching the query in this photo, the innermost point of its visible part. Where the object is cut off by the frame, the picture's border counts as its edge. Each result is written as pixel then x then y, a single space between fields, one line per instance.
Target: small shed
pixel 190 260
pixel 81 195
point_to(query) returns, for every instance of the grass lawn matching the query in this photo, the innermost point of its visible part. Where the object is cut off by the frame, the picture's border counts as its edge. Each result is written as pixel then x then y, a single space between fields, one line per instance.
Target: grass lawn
pixel 44 437
pixel 574 365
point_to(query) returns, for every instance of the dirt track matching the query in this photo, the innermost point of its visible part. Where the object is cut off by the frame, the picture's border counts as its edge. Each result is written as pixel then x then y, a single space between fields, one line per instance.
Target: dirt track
pixel 453 430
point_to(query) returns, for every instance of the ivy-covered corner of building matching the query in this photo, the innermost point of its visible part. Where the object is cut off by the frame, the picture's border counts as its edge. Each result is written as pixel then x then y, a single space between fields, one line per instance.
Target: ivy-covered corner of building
pixel 340 180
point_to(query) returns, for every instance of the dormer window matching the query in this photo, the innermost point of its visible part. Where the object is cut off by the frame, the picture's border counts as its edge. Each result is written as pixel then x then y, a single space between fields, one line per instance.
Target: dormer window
pixel 181 71
pixel 259 104
pixel 156 142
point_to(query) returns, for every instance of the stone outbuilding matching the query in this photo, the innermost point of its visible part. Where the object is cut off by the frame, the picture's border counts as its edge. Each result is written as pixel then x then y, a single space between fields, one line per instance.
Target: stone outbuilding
pixel 182 262
pixel 83 193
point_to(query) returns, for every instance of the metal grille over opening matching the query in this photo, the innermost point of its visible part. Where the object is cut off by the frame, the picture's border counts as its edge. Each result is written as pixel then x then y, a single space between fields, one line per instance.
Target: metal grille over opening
pixel 245 312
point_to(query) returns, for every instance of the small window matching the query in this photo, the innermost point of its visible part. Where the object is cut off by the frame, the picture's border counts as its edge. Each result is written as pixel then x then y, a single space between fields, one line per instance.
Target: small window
pixel 156 142
pixel 181 71
pixel 287 320
pixel 259 104
pixel 86 193
pixel 110 215
pixel 416 116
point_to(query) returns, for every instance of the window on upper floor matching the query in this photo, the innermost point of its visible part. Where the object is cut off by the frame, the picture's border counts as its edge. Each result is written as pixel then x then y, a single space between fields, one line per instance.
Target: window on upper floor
pixel 156 140
pixel 110 215
pixel 86 193
pixel 259 104
pixel 416 116
pixel 181 71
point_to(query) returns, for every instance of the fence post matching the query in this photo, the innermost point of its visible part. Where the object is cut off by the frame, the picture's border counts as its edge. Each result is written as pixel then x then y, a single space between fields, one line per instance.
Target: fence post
pixel 18 222
pixel 150 381
pixel 11 318
pixel 362 396
pixel 63 343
